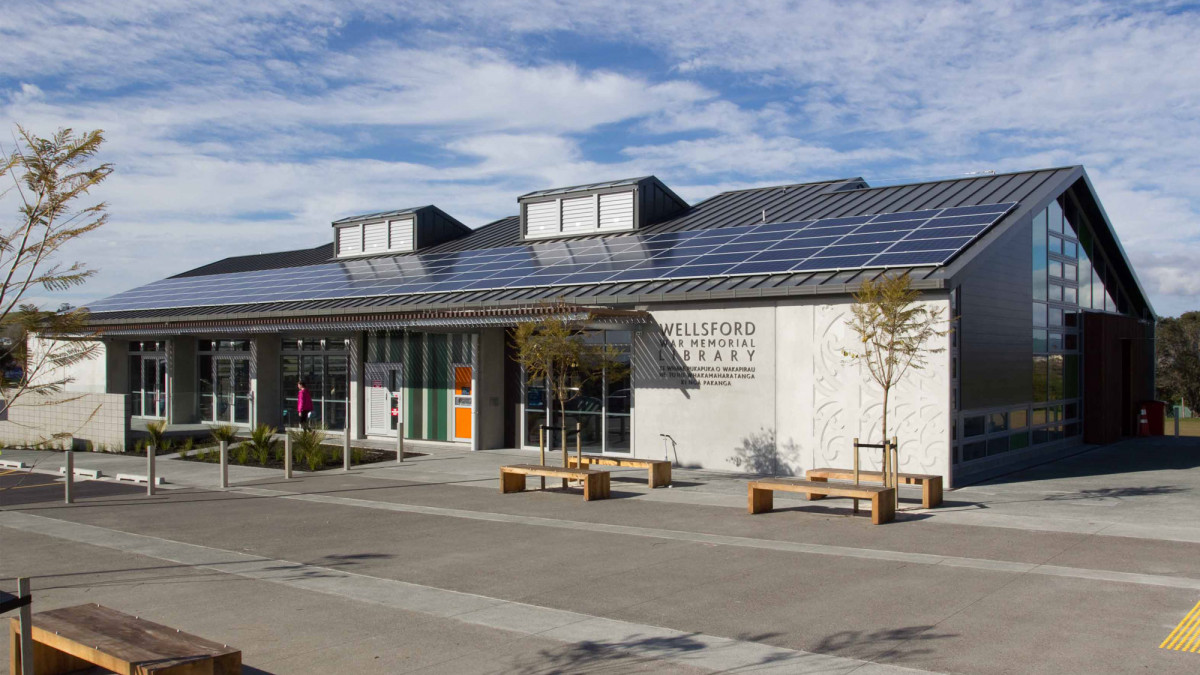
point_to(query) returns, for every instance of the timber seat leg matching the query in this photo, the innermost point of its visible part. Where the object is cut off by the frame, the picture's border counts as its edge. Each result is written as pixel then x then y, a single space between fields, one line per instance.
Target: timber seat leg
pixel 660 475
pixel 931 493
pixel 883 507
pixel 596 486
pixel 511 482
pixel 761 501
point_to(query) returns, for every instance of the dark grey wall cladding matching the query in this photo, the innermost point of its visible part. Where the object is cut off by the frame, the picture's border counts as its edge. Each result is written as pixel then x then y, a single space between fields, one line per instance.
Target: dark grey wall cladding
pixel 995 338
pixel 435 226
pixel 658 203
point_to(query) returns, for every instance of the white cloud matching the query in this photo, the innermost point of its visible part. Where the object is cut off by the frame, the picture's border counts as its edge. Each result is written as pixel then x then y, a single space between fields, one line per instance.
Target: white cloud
pixel 257 106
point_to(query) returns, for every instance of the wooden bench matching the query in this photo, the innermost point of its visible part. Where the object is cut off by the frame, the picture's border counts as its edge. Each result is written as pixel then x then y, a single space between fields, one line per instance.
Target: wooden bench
pixel 660 469
pixel 883 499
pixel 931 485
pixel 595 483
pixel 76 638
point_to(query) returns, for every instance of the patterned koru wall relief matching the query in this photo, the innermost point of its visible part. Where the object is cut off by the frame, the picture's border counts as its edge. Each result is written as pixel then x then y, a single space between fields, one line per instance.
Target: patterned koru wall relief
pixel 849 404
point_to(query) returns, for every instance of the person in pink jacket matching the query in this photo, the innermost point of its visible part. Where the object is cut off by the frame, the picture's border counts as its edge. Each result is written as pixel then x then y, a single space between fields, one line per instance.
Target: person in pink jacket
pixel 304 404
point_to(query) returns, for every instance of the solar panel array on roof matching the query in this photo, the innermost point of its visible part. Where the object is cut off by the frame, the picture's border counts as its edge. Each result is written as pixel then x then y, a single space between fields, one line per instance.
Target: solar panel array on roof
pixel 930 237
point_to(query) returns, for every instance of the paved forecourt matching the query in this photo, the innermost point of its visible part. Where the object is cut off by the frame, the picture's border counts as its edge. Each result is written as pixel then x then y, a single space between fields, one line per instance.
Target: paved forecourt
pixel 660 584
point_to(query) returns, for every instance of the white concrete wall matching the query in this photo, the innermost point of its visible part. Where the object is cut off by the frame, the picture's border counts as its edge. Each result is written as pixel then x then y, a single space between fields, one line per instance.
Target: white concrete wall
pixel 776 393
pixel 87 376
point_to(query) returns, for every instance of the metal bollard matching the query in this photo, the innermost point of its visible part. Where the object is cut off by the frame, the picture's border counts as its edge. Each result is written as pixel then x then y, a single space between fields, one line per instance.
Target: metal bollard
pixel 287 454
pixel 69 486
pixel 346 448
pixel 399 442
pixel 150 470
pixel 1176 425
pixel 224 464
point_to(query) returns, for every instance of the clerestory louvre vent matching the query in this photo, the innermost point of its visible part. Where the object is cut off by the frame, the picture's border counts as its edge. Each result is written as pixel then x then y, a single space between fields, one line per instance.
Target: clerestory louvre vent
pixel 402 231
pixel 614 206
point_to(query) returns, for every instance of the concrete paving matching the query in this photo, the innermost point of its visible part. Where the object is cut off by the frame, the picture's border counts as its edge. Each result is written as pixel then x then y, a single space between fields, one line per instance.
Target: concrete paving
pixel 1078 566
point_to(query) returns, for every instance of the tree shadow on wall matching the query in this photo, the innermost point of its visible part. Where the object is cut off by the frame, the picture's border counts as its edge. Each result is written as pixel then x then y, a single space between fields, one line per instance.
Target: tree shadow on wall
pixel 760 453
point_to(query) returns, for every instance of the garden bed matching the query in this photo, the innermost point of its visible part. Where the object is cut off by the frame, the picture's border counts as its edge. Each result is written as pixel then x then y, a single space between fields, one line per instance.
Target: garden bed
pixel 327 457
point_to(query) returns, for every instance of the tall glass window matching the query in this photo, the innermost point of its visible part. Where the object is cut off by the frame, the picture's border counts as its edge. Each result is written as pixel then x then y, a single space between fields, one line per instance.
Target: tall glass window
pixel 323 365
pixel 148 378
pixel 1070 275
pixel 223 379
pixel 602 406
pixel 1060 248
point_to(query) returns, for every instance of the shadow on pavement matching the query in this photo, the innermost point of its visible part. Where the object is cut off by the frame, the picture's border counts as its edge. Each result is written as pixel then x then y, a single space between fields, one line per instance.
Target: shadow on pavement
pixel 890 645
pixel 1118 493
pixel 1156 453
pixel 618 656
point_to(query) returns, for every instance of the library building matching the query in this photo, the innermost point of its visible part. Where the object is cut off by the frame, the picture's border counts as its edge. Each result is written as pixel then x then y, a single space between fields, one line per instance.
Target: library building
pixel 731 314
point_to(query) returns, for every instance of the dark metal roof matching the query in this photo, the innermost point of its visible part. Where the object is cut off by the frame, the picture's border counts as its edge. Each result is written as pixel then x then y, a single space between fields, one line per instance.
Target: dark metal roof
pixel 784 203
pixel 264 261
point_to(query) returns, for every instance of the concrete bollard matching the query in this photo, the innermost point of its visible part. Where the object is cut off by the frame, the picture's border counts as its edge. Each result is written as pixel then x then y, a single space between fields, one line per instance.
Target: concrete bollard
pixel 69 485
pixel 224 480
pixel 287 455
pixel 150 470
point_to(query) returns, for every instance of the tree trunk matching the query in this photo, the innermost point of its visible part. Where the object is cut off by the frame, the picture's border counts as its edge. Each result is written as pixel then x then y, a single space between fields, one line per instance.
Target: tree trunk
pixel 886 454
pixel 885 413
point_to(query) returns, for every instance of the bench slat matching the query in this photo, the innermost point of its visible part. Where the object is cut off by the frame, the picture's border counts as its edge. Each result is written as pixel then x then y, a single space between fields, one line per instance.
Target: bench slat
pixel 539 470
pixel 831 489
pixel 931 484
pixel 840 473
pixel 761 495
pixel 123 643
pixel 659 469
pixel 622 461
pixel 595 483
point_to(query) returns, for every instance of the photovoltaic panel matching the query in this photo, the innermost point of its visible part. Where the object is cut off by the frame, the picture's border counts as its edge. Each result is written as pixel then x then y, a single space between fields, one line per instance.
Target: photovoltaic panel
pixel 928 237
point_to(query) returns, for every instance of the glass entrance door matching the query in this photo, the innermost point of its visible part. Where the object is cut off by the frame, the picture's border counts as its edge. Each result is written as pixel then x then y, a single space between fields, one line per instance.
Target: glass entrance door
pixel 229 392
pixel 148 378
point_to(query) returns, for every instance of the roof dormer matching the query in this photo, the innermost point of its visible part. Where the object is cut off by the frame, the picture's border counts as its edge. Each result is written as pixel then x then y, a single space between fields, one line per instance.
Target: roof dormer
pixel 597 208
pixel 401 231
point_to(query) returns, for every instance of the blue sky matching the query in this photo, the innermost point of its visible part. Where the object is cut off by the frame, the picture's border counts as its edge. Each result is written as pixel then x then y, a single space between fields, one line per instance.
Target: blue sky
pixel 247 126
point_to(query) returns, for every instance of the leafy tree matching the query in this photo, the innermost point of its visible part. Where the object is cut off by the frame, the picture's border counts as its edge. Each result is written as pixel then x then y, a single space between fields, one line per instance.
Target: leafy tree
pixel 1178 356
pixel 49 177
pixel 894 328
pixel 553 351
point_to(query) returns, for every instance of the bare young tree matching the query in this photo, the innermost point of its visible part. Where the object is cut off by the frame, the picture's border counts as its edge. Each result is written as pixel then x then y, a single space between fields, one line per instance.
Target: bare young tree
pixel 47 177
pixel 894 328
pixel 552 350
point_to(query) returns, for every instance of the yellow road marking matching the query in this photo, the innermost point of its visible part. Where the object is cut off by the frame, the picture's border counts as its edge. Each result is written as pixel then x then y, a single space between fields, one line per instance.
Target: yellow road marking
pixel 1186 636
